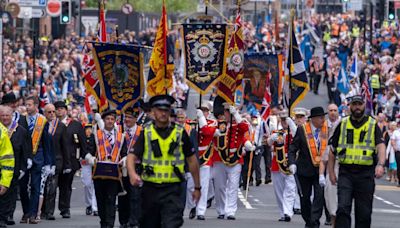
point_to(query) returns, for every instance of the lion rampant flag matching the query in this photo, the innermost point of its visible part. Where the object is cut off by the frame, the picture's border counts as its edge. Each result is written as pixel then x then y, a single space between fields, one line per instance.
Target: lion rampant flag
pixel 161 61
pixel 233 69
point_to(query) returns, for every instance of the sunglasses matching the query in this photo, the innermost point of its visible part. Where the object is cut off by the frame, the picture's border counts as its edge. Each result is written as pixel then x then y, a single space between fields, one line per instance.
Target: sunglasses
pixel 51 111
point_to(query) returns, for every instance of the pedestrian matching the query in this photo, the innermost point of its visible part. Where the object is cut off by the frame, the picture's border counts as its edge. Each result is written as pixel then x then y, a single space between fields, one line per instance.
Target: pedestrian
pixel 129 204
pixel 106 172
pixel 163 147
pixel 43 159
pixel 308 146
pixel 228 161
pixel 316 66
pixel 57 131
pixel 284 182
pixel 358 144
pixel 7 164
pixel 75 139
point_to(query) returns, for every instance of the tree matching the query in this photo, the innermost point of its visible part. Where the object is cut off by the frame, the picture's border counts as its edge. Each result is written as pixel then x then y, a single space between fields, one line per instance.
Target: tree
pixel 173 6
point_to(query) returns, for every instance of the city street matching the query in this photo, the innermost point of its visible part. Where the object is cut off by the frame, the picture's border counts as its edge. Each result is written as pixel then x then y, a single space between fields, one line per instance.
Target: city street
pixel 260 210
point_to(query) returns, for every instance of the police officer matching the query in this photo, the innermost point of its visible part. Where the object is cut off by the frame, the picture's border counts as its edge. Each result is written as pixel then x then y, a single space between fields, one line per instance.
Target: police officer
pixel 358 144
pixel 7 163
pixel 162 147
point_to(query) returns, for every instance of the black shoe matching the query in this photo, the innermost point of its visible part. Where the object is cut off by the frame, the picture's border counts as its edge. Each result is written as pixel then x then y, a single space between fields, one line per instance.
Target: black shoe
pixel 89 211
pixel 200 217
pixel 66 214
pixel 231 217
pixel 267 181
pixel 192 213
pixel 244 187
pixel 258 182
pixel 10 221
pixel 221 216
pixel 251 183
pixel 95 213
pixel 297 211
pixel 50 217
pixel 285 218
pixel 328 223
pixel 209 202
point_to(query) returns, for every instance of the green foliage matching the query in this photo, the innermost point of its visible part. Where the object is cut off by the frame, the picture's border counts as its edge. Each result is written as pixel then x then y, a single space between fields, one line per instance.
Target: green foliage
pixel 173 6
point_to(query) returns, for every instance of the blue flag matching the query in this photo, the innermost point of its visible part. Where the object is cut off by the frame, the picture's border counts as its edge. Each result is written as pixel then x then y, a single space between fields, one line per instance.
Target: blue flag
pixel 119 68
pixel 306 50
pixel 343 83
pixel 354 69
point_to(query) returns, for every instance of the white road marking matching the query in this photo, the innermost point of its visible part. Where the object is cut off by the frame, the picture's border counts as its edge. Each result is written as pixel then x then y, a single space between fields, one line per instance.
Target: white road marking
pixel 244 201
pixel 386 202
pixel 389 211
pixel 256 200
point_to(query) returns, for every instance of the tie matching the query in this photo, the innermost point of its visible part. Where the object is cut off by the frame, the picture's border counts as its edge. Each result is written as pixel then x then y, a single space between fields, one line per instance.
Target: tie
pixel 130 134
pixel 316 136
pixel 31 123
pixel 110 139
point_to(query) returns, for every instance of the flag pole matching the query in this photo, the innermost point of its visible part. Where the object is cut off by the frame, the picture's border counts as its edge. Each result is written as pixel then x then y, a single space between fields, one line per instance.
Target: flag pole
pixel 291 59
pixel 164 15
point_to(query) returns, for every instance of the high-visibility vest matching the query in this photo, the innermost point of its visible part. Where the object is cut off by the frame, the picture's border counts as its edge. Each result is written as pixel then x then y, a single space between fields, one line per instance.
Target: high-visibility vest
pixel 355 32
pixel 356 152
pixel 327 37
pixel 7 161
pixel 163 166
pixel 375 84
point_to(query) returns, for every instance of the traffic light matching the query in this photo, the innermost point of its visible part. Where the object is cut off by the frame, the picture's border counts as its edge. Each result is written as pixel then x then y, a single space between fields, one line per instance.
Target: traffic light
pixel 65 16
pixel 76 8
pixel 391 11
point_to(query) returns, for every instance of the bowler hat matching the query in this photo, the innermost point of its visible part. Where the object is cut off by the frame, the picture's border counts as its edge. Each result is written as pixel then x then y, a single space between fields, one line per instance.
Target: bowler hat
pixel 317 111
pixel 9 98
pixel 108 113
pixel 60 104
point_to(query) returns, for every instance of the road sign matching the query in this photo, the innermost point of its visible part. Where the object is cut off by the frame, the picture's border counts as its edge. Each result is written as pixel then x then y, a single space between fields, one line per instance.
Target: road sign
pixel 38 13
pixel 32 3
pixel 30 12
pixel 127 8
pixel 53 8
pixel 13 8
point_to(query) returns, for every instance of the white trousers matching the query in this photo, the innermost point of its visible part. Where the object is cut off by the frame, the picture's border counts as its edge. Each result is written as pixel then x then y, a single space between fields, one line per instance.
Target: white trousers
pixel 205 173
pixel 90 197
pixel 330 192
pixel 297 201
pixel 210 193
pixel 226 182
pixel 285 192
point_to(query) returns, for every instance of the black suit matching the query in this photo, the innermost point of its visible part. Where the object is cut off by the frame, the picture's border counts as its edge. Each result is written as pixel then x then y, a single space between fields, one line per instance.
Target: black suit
pixel 59 147
pixel 75 139
pixel 23 122
pixel 22 146
pixel 308 176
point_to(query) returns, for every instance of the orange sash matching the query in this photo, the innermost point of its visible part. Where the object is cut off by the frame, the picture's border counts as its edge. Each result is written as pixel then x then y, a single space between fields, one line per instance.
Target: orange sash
pixel 104 144
pixel 37 132
pixel 316 154
pixel 134 138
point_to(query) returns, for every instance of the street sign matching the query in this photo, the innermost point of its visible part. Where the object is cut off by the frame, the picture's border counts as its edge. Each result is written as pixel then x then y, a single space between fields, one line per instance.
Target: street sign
pixel 127 8
pixel 6 17
pixel 30 12
pixel 32 3
pixel 355 5
pixel 13 8
pixel 53 8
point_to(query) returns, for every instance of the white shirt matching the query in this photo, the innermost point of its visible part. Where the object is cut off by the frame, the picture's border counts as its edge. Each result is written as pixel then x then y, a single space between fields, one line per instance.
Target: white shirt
pixel 396 138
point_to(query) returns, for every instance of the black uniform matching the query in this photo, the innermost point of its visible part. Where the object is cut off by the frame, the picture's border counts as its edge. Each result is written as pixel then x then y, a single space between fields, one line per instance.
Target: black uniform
pixel 106 191
pixel 355 181
pixel 308 176
pixel 162 204
pixel 22 146
pixel 59 146
pixel 75 139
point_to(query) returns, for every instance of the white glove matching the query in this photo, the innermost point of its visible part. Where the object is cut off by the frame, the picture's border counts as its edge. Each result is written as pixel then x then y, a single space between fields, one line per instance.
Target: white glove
pixel 274 137
pixel 90 159
pixel 293 169
pixel 21 174
pixel 52 170
pixel 201 118
pixel 29 163
pixel 292 125
pixel 46 169
pixel 99 121
pixel 232 110
pixel 217 133
pixel 199 113
pixel 66 171
pixel 249 146
pixel 123 162
pixel 235 114
pixel 322 181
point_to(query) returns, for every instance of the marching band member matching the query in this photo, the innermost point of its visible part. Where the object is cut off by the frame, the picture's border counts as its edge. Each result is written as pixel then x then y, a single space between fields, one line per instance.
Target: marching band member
pixel 129 204
pixel 111 147
pixel 284 182
pixel 228 160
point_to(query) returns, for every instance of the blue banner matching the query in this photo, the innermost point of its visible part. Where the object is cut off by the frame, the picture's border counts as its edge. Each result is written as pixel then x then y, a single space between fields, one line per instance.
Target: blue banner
pixel 119 68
